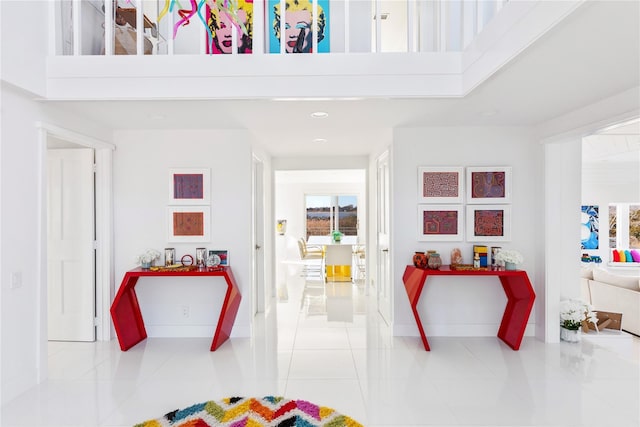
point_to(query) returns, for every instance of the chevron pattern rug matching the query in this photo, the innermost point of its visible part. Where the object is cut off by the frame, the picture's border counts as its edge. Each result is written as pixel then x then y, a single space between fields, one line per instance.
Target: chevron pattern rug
pixel 269 411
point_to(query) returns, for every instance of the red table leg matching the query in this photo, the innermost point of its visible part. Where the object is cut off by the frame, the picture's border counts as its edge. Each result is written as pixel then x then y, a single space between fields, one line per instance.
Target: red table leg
pixel 127 318
pixel 516 285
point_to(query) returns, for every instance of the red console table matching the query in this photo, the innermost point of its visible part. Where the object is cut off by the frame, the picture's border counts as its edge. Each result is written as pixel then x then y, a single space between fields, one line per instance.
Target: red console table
pixel 127 319
pixel 516 285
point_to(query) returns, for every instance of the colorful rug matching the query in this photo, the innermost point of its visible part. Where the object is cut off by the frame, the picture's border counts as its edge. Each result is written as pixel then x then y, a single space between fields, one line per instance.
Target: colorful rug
pixel 269 411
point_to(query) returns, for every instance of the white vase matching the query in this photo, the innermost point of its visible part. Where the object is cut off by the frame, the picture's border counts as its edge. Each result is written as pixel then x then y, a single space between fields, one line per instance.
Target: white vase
pixel 570 335
pixel 509 265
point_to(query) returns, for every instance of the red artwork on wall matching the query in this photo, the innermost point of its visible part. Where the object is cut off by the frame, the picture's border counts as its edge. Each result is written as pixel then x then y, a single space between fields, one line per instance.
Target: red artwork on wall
pixel 440 222
pixel 488 184
pixel 488 223
pixel 188 223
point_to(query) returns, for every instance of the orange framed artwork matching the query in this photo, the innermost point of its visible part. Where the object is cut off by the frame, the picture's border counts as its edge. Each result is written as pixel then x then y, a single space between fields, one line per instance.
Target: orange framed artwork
pixel 188 223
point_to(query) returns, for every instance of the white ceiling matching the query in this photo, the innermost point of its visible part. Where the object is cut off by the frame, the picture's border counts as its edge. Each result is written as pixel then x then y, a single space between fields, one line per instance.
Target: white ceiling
pixel 593 54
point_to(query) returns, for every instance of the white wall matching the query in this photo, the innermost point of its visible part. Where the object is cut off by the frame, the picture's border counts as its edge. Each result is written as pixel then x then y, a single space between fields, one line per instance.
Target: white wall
pixel 460 305
pixel 22 341
pixel 24 52
pixel 141 196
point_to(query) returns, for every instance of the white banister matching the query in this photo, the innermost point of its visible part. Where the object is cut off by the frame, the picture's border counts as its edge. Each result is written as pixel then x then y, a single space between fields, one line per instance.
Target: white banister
pixel 259 44
pixel 139 28
pixel 108 28
pixel 347 43
pixel 282 26
pixel 412 25
pixel 431 26
pixel 378 17
pixel 314 27
pixel 170 17
pixel 77 27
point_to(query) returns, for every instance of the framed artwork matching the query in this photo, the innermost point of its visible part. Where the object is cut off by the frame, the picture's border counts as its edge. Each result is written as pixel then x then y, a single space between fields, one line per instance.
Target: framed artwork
pixel 488 185
pixel 488 223
pixel 440 223
pixel 589 227
pixel 224 256
pixel 239 18
pixel 299 31
pixel 440 184
pixel 189 186
pixel 188 223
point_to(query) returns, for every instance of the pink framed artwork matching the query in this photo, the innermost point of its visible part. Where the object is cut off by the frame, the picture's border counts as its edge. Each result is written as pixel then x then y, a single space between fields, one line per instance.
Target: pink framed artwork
pixel 440 184
pixel 440 223
pixel 488 223
pixel 189 186
pixel 489 184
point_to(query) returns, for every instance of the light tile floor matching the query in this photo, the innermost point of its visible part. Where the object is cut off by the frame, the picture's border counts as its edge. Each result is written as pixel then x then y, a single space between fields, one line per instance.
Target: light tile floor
pixel 352 365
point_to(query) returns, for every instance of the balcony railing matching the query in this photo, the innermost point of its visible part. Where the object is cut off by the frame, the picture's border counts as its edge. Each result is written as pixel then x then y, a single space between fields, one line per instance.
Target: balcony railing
pixel 170 27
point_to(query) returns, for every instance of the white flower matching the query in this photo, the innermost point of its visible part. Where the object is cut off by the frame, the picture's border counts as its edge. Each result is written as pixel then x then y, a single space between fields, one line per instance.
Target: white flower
pixel 573 312
pixel 149 256
pixel 509 255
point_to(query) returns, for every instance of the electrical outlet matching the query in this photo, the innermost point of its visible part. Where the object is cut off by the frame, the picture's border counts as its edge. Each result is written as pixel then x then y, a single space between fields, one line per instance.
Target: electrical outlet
pixel 185 311
pixel 16 280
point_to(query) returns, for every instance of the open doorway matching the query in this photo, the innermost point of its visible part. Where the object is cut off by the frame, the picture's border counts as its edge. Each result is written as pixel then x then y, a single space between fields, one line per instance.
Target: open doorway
pixel 100 153
pixel 309 205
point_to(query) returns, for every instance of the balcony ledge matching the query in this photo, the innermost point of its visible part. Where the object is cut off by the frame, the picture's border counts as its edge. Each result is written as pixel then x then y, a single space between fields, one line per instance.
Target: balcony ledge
pixel 254 76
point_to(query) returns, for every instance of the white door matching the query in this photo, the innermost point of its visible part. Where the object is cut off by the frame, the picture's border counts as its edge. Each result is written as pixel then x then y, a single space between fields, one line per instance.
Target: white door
pixel 385 284
pixel 258 238
pixel 70 248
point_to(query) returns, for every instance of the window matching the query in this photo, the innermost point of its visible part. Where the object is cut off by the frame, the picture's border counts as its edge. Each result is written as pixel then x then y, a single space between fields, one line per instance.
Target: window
pixel 624 225
pixel 329 212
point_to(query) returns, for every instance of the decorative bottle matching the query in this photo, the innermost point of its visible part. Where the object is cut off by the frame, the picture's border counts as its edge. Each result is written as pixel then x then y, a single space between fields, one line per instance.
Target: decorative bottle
pixel 435 261
pixel 420 260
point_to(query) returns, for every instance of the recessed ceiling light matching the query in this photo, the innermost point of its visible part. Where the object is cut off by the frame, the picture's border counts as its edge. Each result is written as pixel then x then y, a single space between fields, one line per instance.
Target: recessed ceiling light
pixel 488 113
pixel 319 114
pixel 319 140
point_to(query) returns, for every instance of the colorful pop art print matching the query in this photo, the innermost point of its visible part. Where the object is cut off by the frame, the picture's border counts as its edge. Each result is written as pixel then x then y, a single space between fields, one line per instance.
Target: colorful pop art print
pixel 188 223
pixel 298 26
pixel 224 256
pixel 589 227
pixel 488 185
pixel 440 223
pixel 222 23
pixel 440 184
pixel 189 186
pixel 488 223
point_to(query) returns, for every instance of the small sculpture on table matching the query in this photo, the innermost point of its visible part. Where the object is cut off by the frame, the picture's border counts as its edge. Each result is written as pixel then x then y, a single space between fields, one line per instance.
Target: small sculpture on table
pixel 456 256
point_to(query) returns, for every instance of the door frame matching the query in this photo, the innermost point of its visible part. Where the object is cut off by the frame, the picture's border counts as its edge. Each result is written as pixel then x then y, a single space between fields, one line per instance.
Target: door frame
pixel 384 201
pixel 105 287
pixel 258 237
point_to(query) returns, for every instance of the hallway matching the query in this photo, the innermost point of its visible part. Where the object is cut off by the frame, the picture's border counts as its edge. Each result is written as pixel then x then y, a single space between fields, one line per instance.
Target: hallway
pixel 352 365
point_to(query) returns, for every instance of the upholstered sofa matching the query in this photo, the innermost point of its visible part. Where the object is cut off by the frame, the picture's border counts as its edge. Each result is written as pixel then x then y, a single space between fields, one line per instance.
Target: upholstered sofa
pixel 618 293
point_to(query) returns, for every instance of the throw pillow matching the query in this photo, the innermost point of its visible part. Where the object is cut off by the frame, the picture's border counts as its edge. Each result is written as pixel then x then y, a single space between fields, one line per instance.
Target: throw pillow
pixel 627 256
pixel 635 254
pixel 623 258
pixel 616 256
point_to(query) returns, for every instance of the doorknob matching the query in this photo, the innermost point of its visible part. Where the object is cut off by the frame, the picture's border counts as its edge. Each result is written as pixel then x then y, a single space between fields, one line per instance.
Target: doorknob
pixel 385 250
pixel 258 247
